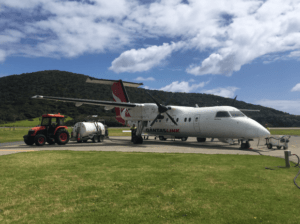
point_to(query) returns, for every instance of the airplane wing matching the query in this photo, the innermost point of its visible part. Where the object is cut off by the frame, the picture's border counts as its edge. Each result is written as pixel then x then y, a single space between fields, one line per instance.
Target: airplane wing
pixel 249 110
pixel 79 102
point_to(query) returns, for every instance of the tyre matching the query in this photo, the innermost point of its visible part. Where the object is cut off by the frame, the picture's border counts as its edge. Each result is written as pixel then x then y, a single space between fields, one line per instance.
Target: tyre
pixel 62 136
pixel 40 140
pixel 94 138
pixel 278 147
pixel 162 138
pixel 85 141
pixel 51 141
pixel 29 141
pixel 79 141
pixel 269 146
pixel 137 140
pixel 201 139
pixel 184 139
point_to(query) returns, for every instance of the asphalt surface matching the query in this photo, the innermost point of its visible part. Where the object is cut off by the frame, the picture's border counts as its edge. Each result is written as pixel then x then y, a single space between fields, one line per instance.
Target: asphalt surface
pixel 123 144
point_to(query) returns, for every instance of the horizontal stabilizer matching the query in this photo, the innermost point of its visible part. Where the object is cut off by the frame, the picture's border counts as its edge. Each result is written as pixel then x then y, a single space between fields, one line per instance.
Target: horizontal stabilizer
pixel 110 82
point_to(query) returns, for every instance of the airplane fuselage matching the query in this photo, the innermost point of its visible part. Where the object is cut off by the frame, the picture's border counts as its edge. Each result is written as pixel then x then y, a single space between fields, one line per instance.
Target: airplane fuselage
pixel 204 122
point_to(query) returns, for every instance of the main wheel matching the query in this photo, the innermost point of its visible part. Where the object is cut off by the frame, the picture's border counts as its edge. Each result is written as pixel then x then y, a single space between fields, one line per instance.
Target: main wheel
pixel 184 139
pixel 40 140
pixel 201 139
pixel 62 136
pixel 137 140
pixel 162 138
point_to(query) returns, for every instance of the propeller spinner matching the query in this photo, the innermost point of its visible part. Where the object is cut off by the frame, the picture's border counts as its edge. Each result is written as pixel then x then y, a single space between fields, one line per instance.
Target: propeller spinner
pixel 161 109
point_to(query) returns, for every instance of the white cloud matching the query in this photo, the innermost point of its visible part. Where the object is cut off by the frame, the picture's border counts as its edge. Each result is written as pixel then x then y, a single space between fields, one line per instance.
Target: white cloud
pixel 289 106
pixel 296 88
pixel 2 55
pixel 228 92
pixel 145 79
pixel 234 32
pixel 142 59
pixel 183 86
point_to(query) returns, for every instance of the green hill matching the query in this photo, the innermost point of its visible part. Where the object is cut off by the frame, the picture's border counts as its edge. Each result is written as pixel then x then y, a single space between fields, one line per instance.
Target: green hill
pixel 16 103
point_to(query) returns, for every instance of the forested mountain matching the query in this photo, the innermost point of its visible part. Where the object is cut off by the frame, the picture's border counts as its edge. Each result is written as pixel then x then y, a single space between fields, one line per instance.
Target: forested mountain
pixel 16 103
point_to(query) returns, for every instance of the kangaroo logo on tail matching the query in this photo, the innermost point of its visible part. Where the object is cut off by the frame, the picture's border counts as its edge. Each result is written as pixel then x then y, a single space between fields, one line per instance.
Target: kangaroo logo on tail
pixel 120 95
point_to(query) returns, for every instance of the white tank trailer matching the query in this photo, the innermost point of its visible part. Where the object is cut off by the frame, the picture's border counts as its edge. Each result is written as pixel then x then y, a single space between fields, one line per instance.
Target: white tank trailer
pixel 83 131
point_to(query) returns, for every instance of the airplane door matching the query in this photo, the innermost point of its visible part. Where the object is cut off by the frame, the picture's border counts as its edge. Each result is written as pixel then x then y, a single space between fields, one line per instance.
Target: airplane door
pixel 197 123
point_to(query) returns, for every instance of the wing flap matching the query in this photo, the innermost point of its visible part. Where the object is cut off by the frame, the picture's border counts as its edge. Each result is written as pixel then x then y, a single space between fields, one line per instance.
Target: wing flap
pixel 79 102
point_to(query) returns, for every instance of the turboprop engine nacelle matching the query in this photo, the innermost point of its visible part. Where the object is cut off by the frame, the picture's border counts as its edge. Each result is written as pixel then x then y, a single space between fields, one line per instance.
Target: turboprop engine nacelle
pixel 145 112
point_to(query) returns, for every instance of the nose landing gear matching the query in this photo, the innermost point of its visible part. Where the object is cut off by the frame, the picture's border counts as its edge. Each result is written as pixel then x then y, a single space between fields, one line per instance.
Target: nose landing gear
pixel 245 145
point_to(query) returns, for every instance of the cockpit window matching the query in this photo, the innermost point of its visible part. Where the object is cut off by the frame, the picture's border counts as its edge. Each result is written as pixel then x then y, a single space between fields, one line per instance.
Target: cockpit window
pixel 222 114
pixel 237 114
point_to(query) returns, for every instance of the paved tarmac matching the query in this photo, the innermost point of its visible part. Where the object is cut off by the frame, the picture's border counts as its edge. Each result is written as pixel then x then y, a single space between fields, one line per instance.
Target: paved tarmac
pixel 123 144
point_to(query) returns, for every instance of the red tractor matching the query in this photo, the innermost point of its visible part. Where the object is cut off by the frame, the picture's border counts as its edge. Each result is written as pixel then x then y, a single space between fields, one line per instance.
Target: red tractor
pixel 51 131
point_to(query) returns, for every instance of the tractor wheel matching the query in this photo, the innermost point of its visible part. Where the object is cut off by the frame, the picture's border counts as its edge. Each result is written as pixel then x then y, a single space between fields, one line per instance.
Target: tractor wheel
pixel 40 140
pixel 51 141
pixel 29 141
pixel 62 137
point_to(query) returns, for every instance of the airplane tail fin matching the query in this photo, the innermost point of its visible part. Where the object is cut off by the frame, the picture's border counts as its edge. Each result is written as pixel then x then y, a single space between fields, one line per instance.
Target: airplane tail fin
pixel 120 95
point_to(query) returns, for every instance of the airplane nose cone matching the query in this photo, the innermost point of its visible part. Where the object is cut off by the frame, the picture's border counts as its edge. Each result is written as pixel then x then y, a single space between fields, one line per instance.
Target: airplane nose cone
pixel 263 132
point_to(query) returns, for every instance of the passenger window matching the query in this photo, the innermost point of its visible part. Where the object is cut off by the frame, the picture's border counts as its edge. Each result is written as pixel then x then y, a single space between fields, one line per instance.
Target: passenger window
pixel 159 120
pixel 222 114
pixel 177 119
pixel 190 119
pixel 185 119
pixel 167 119
pixel 196 119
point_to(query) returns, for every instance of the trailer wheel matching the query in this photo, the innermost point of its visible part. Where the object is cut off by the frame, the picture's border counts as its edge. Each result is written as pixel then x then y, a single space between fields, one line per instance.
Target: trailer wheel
pixel 94 138
pixel 79 141
pixel 40 140
pixel 184 139
pixel 201 139
pixel 85 141
pixel 62 137
pixel 269 146
pixel 278 147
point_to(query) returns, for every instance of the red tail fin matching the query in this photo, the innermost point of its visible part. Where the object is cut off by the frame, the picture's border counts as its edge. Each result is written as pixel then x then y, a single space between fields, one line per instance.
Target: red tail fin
pixel 119 95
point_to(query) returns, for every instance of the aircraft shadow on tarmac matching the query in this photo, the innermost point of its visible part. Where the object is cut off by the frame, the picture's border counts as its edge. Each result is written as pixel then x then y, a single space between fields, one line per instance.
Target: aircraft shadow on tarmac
pixel 112 143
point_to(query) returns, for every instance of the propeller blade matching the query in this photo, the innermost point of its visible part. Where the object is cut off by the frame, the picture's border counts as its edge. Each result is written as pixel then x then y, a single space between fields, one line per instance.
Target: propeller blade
pixel 171 118
pixel 161 108
pixel 154 120
pixel 233 102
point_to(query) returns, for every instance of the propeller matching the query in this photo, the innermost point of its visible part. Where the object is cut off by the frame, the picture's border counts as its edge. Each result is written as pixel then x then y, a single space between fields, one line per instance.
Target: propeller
pixel 161 109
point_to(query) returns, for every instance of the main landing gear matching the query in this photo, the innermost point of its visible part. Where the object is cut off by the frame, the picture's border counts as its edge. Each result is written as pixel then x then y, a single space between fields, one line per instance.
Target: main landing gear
pixel 138 139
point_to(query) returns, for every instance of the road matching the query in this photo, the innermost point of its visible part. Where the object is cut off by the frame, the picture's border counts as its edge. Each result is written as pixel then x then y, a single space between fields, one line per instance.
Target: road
pixel 123 144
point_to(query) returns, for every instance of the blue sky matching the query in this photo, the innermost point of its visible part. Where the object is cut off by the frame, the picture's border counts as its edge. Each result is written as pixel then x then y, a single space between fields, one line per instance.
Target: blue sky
pixel 227 48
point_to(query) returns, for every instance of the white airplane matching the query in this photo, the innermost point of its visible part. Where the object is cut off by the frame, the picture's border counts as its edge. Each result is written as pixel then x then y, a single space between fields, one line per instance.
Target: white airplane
pixel 223 122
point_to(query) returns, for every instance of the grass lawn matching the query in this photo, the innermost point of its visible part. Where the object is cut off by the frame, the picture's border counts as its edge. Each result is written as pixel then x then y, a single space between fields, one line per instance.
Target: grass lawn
pixel 16 134
pixel 114 187
pixel 285 131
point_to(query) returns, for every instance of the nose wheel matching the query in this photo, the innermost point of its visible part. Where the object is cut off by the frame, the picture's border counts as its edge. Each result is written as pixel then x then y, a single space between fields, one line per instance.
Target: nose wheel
pixel 245 145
